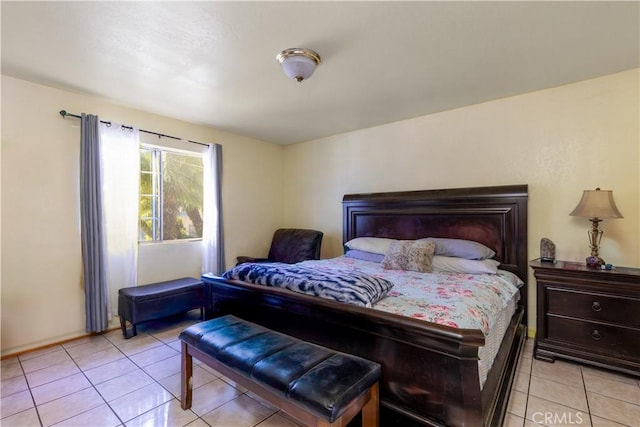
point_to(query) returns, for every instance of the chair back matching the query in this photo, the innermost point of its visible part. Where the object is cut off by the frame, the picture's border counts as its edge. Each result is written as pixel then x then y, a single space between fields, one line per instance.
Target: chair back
pixel 293 245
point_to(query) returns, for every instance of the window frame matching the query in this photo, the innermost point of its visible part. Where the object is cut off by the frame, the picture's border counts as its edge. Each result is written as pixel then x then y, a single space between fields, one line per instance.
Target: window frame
pixel 156 194
pixel 158 146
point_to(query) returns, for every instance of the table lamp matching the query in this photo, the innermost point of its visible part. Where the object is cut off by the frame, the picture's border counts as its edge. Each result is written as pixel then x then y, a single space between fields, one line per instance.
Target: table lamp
pixel 596 205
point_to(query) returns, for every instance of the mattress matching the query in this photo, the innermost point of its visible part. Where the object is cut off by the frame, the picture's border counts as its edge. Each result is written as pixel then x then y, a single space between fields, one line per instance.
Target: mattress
pixel 493 339
pixel 485 302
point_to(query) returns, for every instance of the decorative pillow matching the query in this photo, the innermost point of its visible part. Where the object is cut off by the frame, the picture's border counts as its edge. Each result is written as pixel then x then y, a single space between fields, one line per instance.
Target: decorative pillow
pixel 413 255
pixel 461 265
pixel 378 245
pixel 364 255
pixel 460 248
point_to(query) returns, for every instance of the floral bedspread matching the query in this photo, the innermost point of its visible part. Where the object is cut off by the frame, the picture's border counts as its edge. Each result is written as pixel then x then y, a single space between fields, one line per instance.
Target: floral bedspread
pixel 468 301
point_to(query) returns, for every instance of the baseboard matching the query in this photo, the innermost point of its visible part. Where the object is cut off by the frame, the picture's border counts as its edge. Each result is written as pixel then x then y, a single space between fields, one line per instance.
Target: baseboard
pixel 53 344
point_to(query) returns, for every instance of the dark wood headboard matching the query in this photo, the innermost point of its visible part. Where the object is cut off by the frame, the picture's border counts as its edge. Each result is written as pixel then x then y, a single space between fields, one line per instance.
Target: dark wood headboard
pixel 493 216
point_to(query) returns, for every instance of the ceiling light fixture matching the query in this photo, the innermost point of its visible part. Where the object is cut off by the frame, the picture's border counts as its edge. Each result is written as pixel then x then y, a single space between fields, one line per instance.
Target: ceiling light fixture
pixel 298 63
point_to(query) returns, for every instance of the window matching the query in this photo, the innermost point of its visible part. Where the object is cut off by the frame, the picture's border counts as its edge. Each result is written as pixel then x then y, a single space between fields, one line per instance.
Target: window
pixel 170 194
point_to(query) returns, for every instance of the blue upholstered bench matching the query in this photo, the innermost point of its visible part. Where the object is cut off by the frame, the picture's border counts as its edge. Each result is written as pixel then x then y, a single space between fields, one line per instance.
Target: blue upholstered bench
pixel 315 385
pixel 154 301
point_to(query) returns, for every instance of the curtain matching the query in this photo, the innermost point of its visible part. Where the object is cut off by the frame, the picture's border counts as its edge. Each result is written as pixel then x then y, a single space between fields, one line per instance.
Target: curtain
pixel 92 226
pixel 121 186
pixel 212 241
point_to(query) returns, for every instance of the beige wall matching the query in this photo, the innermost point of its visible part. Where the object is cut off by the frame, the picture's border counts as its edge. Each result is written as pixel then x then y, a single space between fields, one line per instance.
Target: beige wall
pixel 42 295
pixel 559 141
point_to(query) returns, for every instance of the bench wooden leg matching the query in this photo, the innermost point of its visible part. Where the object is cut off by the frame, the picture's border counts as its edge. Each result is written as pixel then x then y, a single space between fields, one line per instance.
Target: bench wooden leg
pixel 186 378
pixel 123 326
pixel 371 410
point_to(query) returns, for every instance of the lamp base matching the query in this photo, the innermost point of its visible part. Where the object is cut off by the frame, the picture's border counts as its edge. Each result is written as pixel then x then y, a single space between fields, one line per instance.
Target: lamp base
pixel 595 262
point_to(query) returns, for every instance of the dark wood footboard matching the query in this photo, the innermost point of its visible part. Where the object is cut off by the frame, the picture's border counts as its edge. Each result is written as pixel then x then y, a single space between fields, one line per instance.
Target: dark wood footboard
pixel 429 372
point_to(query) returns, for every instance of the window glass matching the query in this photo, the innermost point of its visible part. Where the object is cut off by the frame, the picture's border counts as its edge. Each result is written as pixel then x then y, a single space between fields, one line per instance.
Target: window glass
pixel 170 195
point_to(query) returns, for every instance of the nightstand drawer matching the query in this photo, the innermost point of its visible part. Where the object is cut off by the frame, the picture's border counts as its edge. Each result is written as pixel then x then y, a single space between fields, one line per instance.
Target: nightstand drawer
pixel 617 341
pixel 582 305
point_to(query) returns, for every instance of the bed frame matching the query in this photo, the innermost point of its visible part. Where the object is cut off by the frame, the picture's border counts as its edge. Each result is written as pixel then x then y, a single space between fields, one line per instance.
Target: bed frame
pixel 429 371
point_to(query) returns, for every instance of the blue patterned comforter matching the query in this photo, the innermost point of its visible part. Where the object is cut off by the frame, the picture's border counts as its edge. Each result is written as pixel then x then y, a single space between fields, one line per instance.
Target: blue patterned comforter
pixel 348 286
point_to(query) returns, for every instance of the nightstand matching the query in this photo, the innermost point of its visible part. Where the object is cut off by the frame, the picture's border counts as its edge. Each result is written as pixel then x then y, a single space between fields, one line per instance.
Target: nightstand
pixel 587 315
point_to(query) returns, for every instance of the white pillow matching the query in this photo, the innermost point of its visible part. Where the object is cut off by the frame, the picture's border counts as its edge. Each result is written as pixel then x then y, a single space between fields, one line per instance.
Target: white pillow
pixel 461 248
pixel 378 245
pixel 461 265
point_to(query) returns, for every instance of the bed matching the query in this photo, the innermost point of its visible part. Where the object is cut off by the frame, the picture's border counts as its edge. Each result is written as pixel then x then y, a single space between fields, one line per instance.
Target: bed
pixel 430 371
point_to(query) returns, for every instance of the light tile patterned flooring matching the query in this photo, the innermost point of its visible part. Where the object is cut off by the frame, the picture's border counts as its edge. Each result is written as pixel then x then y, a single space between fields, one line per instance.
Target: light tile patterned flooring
pixel 109 381
pixel 570 394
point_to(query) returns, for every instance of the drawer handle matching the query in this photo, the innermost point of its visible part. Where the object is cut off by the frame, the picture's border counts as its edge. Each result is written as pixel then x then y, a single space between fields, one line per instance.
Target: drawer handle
pixel 596 306
pixel 596 335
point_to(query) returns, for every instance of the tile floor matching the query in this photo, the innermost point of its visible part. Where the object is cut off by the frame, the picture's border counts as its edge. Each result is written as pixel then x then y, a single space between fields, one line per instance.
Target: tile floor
pixel 109 381
pixel 569 394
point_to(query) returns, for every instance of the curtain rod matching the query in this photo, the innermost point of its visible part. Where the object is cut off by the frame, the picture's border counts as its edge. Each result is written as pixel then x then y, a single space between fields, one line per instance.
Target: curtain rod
pixel 65 113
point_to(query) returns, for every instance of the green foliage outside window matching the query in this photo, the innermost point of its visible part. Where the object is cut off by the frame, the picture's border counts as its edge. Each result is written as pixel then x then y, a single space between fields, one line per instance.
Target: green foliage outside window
pixel 170 195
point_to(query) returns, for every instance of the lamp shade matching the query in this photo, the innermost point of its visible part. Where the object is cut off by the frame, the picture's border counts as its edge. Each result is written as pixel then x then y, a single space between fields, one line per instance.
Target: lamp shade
pixel 297 63
pixel 597 204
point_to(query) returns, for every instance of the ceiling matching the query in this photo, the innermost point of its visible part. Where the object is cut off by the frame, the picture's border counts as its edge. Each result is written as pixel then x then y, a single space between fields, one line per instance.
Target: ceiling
pixel 213 63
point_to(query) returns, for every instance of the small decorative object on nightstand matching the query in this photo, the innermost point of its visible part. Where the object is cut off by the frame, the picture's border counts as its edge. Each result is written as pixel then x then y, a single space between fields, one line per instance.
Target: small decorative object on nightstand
pixel 596 205
pixel 547 250
pixel 586 315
